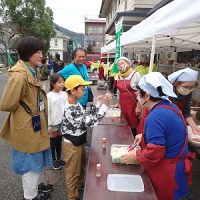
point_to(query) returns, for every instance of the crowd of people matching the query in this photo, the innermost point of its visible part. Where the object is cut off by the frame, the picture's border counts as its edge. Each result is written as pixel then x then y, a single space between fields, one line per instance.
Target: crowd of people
pixel 40 124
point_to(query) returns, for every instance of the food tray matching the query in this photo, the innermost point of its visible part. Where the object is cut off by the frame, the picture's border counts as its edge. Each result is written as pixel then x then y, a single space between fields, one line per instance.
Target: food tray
pixel 125 183
pixel 113 112
pixel 193 139
pixel 117 150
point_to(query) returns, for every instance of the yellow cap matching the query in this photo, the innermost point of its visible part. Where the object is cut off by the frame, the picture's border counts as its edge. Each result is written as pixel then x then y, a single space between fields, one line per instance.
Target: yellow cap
pixel 74 81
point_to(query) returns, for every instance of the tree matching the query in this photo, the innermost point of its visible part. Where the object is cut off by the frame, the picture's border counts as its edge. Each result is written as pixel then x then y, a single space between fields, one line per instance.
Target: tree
pixel 28 17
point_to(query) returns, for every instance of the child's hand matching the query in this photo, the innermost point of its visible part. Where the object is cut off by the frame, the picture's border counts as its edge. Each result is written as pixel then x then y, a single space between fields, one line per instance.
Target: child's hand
pixel 100 98
pixel 115 106
pixel 50 132
pixel 106 99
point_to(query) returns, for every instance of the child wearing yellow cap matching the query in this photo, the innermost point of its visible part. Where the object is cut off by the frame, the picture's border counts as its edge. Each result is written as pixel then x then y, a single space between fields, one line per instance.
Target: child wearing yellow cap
pixel 74 128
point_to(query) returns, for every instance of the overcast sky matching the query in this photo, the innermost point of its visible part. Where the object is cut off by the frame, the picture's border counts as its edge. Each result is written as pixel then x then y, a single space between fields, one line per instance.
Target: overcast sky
pixel 70 14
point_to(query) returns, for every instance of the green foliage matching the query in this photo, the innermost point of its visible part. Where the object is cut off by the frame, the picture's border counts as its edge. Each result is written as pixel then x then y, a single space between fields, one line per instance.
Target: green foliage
pixel 29 17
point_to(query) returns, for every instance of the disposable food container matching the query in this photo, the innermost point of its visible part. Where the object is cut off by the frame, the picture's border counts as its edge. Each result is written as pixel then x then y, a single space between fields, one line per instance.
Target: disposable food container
pixel 117 150
pixel 125 183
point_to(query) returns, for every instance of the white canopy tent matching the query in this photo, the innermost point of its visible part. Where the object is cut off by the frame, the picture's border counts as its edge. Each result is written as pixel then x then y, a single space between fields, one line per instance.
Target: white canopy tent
pixel 108 48
pixel 176 27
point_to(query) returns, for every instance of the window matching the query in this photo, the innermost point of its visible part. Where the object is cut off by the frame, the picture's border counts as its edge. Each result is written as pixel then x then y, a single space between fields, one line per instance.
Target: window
pixel 95 30
pixel 56 42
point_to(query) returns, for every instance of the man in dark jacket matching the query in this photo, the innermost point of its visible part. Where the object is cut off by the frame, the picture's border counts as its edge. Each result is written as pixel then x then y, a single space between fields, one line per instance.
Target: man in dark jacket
pixel 58 64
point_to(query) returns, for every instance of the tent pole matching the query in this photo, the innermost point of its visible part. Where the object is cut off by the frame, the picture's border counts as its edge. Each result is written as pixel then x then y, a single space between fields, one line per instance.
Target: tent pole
pixel 107 65
pixel 152 53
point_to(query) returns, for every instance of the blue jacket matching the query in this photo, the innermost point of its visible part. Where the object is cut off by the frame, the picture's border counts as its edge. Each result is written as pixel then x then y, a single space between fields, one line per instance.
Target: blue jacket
pixel 72 70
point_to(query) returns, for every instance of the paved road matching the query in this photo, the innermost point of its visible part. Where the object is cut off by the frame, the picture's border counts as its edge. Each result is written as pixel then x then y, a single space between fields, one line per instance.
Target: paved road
pixel 11 186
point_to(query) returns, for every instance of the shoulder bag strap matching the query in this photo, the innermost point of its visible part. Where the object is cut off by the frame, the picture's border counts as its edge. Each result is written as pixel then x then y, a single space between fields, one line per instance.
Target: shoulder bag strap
pixel 79 70
pixel 127 88
pixel 26 107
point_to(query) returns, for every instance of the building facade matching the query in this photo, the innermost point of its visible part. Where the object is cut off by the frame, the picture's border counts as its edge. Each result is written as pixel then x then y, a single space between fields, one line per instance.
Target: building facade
pixel 59 44
pixel 94 35
pixel 132 11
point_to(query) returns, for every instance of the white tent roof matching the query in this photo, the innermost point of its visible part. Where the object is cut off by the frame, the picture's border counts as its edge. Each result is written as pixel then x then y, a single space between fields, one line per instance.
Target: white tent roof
pixel 109 47
pixel 175 25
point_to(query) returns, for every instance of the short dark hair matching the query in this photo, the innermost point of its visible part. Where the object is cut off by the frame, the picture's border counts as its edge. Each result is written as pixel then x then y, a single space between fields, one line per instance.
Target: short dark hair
pixel 76 88
pixel 57 56
pixel 44 60
pixel 75 51
pixel 53 79
pixel 27 46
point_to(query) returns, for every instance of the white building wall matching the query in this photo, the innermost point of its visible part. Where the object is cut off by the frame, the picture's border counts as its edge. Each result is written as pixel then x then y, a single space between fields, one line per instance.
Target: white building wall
pixel 58 47
pixel 146 3
pixel 59 43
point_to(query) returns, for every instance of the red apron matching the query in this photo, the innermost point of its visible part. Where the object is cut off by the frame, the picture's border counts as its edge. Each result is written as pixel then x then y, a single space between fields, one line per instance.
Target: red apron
pixel 144 115
pixel 163 174
pixel 181 104
pixel 127 101
pixel 101 73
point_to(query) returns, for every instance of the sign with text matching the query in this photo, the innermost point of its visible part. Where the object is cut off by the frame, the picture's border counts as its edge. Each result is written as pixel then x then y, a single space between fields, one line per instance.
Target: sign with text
pixel 118 30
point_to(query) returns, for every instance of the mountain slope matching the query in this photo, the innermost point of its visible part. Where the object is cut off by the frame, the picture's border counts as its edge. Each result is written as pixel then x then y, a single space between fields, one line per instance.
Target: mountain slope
pixel 73 35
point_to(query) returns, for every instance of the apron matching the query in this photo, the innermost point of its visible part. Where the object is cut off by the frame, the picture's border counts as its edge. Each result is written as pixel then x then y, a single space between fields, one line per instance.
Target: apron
pixel 145 114
pixel 181 104
pixel 163 174
pixel 143 118
pixel 127 101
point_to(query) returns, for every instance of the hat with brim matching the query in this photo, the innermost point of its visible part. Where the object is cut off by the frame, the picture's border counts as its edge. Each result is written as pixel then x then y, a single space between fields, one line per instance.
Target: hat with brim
pixel 75 81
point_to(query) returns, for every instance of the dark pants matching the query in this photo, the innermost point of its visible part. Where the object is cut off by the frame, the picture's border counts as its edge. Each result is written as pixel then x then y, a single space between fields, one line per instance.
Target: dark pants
pixel 56 144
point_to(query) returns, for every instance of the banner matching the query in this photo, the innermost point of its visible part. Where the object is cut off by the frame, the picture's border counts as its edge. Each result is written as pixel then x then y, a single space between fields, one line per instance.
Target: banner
pixel 118 30
pixel 10 60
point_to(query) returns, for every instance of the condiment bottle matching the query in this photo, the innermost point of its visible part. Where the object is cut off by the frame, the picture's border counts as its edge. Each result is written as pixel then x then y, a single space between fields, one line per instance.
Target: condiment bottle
pixel 98 170
pixel 103 141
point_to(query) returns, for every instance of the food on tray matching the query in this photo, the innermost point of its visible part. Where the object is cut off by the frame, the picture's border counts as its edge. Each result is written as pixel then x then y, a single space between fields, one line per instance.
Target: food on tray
pixel 113 112
pixel 193 139
pixel 118 150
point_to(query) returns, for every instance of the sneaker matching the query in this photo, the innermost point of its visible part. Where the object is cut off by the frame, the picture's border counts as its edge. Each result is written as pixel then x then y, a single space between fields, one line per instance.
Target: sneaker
pixel 62 162
pixel 57 165
pixel 45 187
pixel 41 196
